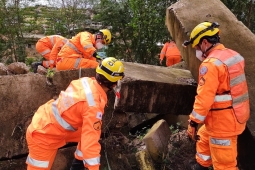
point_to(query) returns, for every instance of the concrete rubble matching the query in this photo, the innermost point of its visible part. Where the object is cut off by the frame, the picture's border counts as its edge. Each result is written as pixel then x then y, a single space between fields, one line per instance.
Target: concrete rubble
pixel 156 140
pixel 22 94
pixel 145 89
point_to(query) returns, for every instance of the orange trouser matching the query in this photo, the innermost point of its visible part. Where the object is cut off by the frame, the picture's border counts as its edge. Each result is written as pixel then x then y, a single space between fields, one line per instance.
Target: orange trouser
pixel 171 60
pixel 75 63
pixel 39 151
pixel 217 151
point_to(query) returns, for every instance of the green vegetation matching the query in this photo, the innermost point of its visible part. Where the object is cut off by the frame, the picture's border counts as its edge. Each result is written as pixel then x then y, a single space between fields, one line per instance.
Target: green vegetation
pixel 137 25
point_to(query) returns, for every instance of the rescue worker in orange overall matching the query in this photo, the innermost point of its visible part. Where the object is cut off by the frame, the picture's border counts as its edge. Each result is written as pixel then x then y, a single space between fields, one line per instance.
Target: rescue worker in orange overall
pixel 81 50
pixel 75 116
pixel 221 103
pixel 48 47
pixel 172 53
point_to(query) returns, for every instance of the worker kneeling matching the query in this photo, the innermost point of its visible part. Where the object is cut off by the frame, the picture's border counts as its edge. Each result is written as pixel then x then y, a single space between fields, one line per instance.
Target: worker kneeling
pixel 75 116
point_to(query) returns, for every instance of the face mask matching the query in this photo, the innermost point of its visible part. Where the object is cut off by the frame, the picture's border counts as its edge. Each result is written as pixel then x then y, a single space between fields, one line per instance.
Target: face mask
pixel 99 45
pixel 199 55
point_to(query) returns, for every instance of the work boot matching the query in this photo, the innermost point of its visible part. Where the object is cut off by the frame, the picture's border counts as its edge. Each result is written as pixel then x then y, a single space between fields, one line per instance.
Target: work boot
pixel 193 165
pixel 35 65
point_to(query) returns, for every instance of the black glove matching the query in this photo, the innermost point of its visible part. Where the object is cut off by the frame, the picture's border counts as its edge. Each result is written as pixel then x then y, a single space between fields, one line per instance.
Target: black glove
pixel 192 130
pixel 77 164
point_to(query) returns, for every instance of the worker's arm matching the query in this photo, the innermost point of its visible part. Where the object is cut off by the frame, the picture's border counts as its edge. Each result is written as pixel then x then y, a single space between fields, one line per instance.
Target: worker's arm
pixel 91 132
pixel 208 83
pixel 87 46
pixel 163 53
pixel 55 50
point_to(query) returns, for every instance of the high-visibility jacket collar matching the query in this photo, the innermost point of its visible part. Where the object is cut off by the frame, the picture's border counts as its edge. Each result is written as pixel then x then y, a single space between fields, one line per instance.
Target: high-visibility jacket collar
pixel 218 47
pixel 100 89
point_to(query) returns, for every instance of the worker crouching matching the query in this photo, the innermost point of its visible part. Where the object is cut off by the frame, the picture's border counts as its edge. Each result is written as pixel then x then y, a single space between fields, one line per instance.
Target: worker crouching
pixel 75 116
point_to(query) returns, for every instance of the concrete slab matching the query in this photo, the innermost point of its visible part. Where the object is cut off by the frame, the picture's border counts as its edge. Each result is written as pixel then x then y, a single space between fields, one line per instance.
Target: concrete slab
pixel 155 89
pixel 156 140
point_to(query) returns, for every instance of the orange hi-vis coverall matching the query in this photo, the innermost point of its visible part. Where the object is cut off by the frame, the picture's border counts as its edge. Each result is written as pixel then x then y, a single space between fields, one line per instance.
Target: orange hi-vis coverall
pixel 78 53
pixel 171 52
pixel 222 104
pixel 49 47
pixel 76 116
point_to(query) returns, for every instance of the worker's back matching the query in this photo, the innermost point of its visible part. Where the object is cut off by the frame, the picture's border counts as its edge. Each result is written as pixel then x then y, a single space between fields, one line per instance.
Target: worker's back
pixel 172 49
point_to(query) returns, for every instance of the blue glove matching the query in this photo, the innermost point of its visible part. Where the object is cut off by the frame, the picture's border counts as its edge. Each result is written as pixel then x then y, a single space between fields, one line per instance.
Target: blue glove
pixel 102 55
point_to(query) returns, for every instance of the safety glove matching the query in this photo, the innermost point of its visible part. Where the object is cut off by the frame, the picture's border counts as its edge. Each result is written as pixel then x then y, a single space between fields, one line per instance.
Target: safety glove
pixel 102 55
pixel 192 131
pixel 99 55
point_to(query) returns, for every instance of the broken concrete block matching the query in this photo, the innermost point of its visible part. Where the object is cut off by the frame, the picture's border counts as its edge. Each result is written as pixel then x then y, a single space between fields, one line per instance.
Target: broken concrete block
pixel 156 140
pixel 41 70
pixel 18 68
pixel 64 158
pixel 155 89
pixel 135 119
pixel 145 161
pixel 20 96
pixel 3 69
pixel 62 79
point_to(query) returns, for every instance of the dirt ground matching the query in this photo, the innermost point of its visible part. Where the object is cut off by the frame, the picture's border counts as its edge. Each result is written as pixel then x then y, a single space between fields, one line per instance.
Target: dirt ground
pixel 180 151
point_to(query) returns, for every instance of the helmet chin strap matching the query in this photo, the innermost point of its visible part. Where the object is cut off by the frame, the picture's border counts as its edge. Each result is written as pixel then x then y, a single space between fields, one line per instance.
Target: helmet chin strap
pixel 208 49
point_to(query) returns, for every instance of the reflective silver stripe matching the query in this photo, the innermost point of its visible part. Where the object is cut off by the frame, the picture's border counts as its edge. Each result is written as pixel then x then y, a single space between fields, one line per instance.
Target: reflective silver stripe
pixel 240 99
pixel 92 161
pixel 73 47
pixel 88 92
pixel 59 119
pixel 52 40
pixel 218 62
pixel 65 41
pixel 204 157
pixel 37 163
pixel 77 62
pixel 239 79
pixel 163 53
pixel 46 64
pixel 78 152
pixel 51 61
pixel 222 142
pixel 87 46
pixel 45 52
pixel 234 60
pixel 198 116
pixel 222 98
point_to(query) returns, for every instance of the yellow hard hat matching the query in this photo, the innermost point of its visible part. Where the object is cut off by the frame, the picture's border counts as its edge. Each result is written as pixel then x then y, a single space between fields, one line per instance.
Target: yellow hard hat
pixel 201 30
pixel 111 68
pixel 107 35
